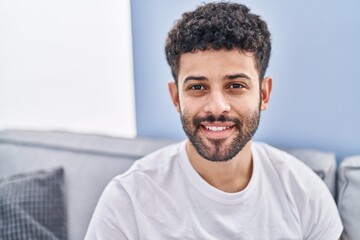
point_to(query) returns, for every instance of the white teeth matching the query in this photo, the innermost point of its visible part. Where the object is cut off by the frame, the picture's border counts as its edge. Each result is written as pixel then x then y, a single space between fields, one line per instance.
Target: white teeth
pixel 216 129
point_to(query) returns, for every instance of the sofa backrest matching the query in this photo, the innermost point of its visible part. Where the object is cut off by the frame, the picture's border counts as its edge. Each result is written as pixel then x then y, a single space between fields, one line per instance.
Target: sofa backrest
pixel 91 161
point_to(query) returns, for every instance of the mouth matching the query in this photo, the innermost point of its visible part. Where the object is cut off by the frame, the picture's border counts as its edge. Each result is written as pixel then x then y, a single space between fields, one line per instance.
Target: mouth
pixel 217 130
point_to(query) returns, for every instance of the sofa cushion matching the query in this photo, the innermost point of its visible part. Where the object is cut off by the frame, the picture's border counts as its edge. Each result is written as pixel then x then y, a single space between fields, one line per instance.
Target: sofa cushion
pixel 348 197
pixel 32 206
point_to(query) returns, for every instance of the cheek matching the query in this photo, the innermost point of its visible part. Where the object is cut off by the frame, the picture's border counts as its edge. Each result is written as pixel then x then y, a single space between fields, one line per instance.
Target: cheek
pixel 190 106
pixel 246 105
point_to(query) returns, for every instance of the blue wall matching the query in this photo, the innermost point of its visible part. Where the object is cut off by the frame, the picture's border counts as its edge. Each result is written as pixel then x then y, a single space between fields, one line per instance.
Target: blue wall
pixel 314 64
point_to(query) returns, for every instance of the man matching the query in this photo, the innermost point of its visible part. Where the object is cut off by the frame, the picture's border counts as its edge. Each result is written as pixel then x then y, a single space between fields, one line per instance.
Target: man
pixel 218 184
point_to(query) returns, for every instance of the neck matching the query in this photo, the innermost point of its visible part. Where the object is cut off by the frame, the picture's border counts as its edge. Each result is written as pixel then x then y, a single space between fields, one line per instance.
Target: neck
pixel 229 176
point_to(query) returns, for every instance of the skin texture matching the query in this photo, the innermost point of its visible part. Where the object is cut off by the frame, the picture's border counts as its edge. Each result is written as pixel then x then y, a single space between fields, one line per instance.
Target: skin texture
pixel 222 84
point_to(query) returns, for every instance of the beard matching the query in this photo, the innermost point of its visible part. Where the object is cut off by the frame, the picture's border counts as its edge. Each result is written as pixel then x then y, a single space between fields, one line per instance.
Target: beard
pixel 217 150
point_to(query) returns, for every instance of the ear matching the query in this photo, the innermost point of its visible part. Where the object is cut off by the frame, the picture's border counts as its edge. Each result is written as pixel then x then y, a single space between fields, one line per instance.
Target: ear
pixel 173 90
pixel 266 87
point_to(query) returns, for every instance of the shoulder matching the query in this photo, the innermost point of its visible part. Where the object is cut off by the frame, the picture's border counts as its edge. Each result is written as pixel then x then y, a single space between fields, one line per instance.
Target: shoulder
pixel 109 221
pixel 131 190
pixel 153 166
pixel 283 164
pixel 309 197
pixel 163 156
pixel 298 181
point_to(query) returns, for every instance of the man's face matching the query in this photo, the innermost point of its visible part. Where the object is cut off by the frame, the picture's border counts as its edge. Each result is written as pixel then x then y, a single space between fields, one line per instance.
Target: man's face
pixel 219 99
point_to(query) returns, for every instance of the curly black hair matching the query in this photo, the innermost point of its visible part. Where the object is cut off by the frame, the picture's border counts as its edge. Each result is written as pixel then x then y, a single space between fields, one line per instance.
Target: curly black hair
pixel 221 25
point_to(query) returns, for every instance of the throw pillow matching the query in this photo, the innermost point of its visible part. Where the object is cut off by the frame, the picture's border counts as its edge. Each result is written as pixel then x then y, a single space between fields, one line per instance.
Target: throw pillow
pixel 32 206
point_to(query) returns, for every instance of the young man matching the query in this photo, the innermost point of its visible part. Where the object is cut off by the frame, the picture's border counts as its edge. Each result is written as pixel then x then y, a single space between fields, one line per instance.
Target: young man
pixel 218 184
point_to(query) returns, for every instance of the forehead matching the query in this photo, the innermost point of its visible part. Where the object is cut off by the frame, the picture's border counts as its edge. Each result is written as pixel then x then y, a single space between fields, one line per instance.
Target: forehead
pixel 217 63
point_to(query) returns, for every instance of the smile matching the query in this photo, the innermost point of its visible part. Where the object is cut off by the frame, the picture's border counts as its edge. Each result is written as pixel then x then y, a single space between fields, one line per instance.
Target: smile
pixel 216 128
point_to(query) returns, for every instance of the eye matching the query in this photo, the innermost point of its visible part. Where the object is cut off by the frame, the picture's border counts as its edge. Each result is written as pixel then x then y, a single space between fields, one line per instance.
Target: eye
pixel 196 87
pixel 236 85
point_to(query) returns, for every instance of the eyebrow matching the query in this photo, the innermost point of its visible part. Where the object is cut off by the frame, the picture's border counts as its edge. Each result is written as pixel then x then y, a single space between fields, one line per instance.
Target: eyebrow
pixel 238 75
pixel 198 78
pixel 227 77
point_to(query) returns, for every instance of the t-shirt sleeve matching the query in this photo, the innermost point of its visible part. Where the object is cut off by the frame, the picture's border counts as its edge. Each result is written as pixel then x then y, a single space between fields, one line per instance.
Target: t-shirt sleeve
pixel 321 219
pixel 113 217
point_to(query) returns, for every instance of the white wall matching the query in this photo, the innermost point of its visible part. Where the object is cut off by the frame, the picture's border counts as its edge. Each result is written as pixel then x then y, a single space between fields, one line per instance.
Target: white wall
pixel 67 65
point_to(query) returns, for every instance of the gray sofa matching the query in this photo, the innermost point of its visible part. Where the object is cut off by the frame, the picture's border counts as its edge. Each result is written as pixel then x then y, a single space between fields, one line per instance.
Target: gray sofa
pixel 91 161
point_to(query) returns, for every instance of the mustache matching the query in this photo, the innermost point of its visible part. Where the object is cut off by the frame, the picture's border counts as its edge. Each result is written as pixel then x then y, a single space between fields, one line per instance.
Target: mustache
pixel 211 118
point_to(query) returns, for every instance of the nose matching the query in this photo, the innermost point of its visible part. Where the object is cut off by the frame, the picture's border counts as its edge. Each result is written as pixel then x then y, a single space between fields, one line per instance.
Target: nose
pixel 217 104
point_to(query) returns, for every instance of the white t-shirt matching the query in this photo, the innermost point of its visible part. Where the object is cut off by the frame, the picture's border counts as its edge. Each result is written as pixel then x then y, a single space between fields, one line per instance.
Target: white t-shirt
pixel 162 197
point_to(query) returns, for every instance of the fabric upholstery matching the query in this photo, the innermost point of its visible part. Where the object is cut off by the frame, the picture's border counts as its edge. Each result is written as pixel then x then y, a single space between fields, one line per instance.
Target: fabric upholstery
pixel 349 197
pixel 32 206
